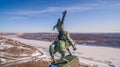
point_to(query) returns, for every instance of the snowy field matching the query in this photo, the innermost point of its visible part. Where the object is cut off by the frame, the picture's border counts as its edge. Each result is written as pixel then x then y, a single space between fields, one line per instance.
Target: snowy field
pixel 7 56
pixel 102 56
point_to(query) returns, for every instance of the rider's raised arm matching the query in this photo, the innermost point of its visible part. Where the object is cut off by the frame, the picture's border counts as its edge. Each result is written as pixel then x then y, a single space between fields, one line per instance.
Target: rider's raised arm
pixel 59 24
pixel 63 18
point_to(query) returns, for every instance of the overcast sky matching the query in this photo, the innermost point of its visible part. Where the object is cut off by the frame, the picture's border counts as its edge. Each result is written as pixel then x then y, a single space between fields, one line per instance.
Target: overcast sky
pixel 41 15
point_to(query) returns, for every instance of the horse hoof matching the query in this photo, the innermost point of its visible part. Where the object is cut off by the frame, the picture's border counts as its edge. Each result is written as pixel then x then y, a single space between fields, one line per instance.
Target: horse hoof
pixel 53 62
pixel 70 55
pixel 74 48
pixel 67 61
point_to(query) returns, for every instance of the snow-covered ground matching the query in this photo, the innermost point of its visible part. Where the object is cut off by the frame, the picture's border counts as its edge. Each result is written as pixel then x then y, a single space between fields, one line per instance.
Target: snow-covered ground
pixel 2 46
pixel 8 59
pixel 101 56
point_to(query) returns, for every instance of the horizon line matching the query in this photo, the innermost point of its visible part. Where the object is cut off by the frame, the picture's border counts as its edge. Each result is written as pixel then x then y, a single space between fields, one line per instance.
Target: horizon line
pixel 57 32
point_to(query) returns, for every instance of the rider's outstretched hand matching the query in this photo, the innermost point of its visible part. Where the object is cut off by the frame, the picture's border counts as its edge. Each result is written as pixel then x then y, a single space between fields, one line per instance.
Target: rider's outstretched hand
pixel 64 12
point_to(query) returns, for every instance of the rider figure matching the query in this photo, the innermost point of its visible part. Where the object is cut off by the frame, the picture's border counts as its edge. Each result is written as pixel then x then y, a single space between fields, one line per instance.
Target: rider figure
pixel 64 35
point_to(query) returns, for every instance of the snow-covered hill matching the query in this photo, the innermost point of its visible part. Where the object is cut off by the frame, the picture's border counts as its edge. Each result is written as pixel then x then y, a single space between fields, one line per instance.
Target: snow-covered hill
pixel 15 52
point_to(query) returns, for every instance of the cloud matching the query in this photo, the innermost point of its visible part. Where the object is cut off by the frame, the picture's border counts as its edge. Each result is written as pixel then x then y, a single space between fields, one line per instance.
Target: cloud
pixel 82 7
pixel 15 18
pixel 27 12
pixel 54 9
pixel 73 8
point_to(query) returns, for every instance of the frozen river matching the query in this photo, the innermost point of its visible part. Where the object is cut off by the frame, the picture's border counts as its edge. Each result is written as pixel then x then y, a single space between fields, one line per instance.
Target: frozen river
pixel 102 56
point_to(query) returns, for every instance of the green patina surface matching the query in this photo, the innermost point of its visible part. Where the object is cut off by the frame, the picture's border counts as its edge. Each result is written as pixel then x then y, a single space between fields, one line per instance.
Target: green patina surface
pixel 62 63
pixel 63 41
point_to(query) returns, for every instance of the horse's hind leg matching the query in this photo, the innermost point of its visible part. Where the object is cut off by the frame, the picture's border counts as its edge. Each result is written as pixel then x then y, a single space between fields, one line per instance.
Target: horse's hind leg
pixel 53 58
pixel 52 52
pixel 63 58
pixel 69 51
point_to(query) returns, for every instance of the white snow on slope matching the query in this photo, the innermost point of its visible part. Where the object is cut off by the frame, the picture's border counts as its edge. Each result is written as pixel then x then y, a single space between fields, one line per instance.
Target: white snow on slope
pixel 102 56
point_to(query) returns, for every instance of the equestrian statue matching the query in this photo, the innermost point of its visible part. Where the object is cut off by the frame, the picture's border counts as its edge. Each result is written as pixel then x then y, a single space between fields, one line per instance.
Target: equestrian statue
pixel 62 42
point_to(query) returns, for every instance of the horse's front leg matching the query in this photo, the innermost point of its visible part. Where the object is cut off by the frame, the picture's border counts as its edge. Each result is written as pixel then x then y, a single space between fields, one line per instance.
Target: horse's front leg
pixel 74 48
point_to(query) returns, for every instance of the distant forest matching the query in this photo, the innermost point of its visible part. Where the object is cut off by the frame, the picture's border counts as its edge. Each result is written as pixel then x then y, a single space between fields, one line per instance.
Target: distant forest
pixel 97 39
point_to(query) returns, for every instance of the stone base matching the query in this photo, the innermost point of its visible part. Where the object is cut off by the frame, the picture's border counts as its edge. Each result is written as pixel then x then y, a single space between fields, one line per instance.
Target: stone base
pixel 73 62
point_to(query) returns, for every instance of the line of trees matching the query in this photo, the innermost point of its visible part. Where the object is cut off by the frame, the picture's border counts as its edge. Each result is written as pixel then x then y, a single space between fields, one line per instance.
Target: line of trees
pixel 102 39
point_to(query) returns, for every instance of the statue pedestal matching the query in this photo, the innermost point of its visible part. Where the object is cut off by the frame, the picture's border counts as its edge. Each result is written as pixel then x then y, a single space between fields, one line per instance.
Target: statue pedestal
pixel 73 62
